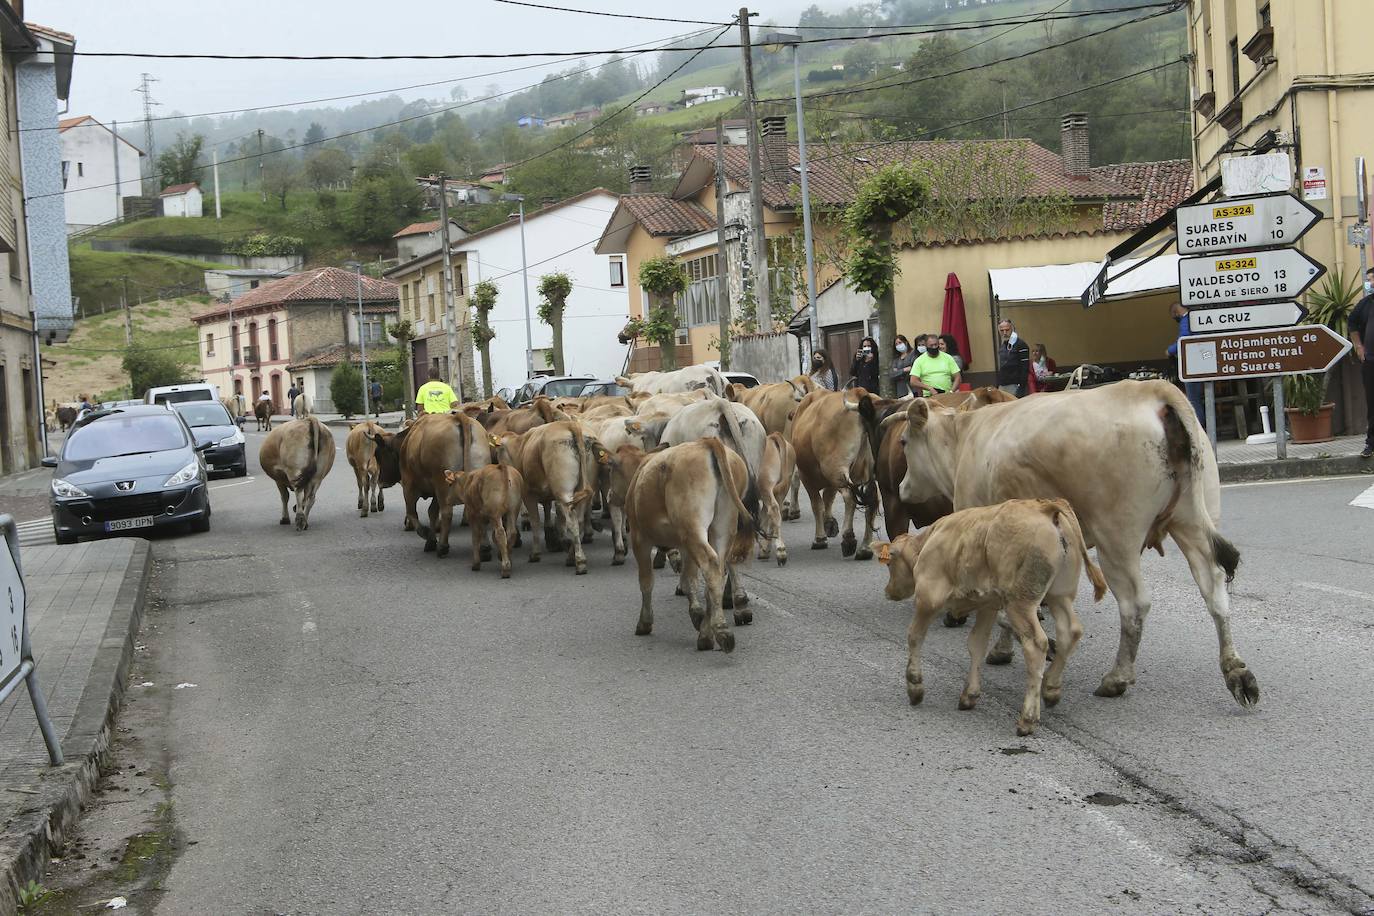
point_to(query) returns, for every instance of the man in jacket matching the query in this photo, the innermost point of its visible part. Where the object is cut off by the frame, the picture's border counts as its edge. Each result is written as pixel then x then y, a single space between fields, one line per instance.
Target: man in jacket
pixel 1013 360
pixel 1361 328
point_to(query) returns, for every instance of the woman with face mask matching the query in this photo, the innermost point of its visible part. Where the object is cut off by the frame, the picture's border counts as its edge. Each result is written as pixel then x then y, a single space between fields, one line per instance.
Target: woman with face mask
pixel 822 372
pixel 864 370
pixel 902 358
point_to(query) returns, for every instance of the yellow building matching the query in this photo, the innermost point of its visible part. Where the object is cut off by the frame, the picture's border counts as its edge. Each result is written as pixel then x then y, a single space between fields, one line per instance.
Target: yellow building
pixel 421 288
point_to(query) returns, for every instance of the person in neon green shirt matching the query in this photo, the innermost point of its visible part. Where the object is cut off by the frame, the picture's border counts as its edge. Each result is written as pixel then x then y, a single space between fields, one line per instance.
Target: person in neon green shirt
pixel 434 395
pixel 934 371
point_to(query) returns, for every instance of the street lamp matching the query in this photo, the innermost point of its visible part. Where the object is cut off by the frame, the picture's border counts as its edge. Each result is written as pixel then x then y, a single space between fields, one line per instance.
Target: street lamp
pixel 774 41
pixel 524 284
pixel 362 337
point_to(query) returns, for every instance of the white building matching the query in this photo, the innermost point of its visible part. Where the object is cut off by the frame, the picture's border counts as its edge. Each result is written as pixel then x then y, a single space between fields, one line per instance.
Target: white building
pixel 596 310
pixel 90 151
pixel 181 200
pixel 703 94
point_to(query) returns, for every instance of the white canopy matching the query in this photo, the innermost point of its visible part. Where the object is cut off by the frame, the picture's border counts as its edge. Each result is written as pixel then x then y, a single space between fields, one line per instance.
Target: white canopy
pixel 1066 282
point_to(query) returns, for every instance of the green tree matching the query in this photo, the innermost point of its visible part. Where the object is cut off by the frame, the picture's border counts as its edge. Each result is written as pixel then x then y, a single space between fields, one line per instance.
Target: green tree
pixel 885 197
pixel 315 133
pixel 279 177
pixel 425 159
pixel 149 367
pixel 662 278
pixel 403 333
pixel 381 206
pixel 554 290
pixel 346 389
pixel 483 298
pixel 177 164
pixel 329 168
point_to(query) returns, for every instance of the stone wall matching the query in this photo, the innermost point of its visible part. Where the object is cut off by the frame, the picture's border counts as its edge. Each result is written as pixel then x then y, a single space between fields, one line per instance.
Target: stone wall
pixel 768 357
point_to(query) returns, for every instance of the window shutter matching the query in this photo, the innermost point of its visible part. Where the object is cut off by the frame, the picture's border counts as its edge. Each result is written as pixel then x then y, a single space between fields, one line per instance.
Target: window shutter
pixel 9 186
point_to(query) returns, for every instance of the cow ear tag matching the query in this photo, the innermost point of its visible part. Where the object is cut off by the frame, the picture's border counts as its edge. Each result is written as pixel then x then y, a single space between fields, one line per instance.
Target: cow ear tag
pixel 884 554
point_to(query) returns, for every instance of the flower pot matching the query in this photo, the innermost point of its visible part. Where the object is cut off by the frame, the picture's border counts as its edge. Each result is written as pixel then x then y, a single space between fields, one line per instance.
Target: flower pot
pixel 1310 427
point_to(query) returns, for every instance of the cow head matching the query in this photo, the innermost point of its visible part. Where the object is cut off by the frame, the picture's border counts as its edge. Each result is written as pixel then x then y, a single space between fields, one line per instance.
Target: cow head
pixel 872 410
pixel 388 454
pixel 733 391
pixel 931 446
pixel 804 384
pixel 900 558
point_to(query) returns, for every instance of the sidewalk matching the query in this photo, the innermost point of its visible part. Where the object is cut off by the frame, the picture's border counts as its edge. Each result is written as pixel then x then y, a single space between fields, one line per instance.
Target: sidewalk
pixel 1239 462
pixel 85 605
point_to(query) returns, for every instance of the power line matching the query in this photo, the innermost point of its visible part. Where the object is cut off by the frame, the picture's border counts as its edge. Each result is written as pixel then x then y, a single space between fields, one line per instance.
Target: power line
pixel 564 9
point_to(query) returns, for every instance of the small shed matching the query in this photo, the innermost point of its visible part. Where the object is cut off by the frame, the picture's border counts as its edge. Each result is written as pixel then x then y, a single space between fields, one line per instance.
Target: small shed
pixel 181 200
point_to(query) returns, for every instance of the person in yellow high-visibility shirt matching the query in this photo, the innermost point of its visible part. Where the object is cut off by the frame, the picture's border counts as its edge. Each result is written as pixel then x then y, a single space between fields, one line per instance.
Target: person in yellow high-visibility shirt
pixel 435 396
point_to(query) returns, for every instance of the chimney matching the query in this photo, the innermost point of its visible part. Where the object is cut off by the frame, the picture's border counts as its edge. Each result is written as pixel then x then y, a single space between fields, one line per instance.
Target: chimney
pixel 774 130
pixel 1073 139
pixel 640 179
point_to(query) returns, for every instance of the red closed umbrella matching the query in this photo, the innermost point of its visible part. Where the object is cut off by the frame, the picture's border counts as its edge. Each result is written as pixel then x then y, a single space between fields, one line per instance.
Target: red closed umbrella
pixel 953 321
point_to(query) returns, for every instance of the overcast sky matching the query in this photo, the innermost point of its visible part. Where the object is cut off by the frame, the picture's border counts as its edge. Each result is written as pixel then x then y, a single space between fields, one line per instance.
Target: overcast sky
pixel 104 87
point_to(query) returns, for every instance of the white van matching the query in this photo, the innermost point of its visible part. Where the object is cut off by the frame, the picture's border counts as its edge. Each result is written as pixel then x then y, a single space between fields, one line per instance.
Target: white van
pixel 176 394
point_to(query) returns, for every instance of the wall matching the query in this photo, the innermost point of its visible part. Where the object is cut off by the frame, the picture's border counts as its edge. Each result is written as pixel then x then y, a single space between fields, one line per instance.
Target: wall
pixel 91 197
pixel 315 326
pixel 768 357
pixel 595 311
pixel 43 218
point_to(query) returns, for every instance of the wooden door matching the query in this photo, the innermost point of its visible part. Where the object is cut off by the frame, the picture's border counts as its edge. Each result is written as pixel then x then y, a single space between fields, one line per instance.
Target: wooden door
pixel 842 342
pixel 277 404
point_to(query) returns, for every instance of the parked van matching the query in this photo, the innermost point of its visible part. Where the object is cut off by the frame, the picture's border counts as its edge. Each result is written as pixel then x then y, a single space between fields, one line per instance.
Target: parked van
pixel 177 394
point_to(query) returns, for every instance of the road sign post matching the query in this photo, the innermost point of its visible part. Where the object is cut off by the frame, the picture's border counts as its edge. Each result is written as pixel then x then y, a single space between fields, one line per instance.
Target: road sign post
pixel 16 655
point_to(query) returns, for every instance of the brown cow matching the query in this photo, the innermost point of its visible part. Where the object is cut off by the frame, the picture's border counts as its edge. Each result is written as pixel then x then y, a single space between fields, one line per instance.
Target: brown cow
pixel 776 470
pixel 522 419
pixel 361 448
pixel 1018 554
pixel 417 458
pixel 774 405
pixel 836 436
pixel 491 496
pixel 297 455
pixel 262 412
pixel 693 497
pixel 619 469
pixel 560 475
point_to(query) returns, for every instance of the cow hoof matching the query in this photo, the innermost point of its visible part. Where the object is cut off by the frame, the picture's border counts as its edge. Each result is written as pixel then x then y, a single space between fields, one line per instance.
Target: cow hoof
pixel 742 599
pixel 362 514
pixel 1110 688
pixel 586 537
pixel 832 528
pixel 442 551
pixel 999 658
pixel 726 641
pixel 618 560
pixel 744 618
pixel 284 521
pixel 476 567
pixel 505 572
pixel 1243 686
pixel 485 552
pixel 848 545
pixel 1050 696
pixel 675 561
pixel 597 527
pixel 794 515
pixel 408 526
pixel 705 643
pixel 643 629
pixel 915 693
pixel 534 559
pixel 431 546
pixel 1024 728
pixel 819 544
pixel 968 700
pixel 951 621
pixel 864 554
pixel 581 569
pixel 677 591
pixel 782 558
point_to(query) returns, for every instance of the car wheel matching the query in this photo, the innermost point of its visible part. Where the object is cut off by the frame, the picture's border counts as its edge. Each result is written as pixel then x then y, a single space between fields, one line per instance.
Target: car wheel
pixel 202 524
pixel 63 539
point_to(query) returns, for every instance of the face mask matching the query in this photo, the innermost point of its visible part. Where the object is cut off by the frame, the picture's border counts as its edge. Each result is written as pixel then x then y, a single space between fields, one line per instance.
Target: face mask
pixel 920 348
pixel 1369 286
pixel 901 348
pixel 817 361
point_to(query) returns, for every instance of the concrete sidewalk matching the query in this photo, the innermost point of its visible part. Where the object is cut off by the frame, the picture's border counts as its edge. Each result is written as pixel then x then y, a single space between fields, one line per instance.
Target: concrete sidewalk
pixel 85 606
pixel 1238 461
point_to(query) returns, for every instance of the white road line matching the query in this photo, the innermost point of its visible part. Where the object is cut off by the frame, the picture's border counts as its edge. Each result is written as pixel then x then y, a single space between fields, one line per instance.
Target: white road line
pixel 1276 483
pixel 1365 500
pixel 770 607
pixel 237 483
pixel 1337 590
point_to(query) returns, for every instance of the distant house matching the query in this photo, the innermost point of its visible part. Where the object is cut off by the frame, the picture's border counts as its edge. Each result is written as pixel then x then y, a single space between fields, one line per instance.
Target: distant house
pixel 529 121
pixel 181 200
pixel 228 284
pixel 89 152
pixel 494 175
pixel 558 121
pixel 421 238
pixel 703 94
pixel 651 108
pixel 586 114
pixel 458 190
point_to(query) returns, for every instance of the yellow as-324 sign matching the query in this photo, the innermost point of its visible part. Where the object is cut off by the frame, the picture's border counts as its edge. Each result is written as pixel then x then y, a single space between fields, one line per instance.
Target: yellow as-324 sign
pixel 1237 264
pixel 1233 210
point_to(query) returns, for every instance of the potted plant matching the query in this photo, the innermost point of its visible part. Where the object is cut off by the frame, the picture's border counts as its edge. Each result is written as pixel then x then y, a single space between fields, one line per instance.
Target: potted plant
pixel 1305 405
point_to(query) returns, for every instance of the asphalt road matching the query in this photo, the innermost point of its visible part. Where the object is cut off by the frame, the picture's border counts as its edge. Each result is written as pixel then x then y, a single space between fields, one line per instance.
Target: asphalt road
pixel 377 730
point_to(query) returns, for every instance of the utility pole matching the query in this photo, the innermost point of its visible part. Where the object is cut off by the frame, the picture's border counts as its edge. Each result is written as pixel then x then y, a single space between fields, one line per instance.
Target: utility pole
pixel 362 339
pixel 128 317
pixel 214 158
pixel 450 301
pixel 722 283
pixel 1005 132
pixel 146 90
pixel 758 240
pixel 262 185
pixel 119 192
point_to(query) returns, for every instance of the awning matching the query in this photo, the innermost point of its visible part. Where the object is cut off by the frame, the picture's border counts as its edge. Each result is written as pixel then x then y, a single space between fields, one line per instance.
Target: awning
pixel 1066 282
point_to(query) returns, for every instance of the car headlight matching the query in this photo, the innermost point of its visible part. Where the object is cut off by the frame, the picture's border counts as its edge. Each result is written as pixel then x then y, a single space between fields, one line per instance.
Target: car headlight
pixel 67 490
pixel 235 439
pixel 185 475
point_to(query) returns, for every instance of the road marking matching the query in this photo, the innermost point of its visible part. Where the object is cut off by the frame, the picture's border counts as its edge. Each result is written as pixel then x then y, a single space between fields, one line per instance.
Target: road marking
pixel 1276 483
pixel 770 606
pixel 237 483
pixel 1337 590
pixel 1365 500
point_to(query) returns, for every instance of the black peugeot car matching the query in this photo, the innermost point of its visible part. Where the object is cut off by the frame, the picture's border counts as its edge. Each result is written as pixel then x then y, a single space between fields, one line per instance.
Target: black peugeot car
pixel 126 469
pixel 215 432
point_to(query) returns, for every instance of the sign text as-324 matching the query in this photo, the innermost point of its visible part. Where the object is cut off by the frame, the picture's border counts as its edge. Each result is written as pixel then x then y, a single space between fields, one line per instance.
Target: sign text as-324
pixel 11 615
pixel 1256 276
pixel 1254 354
pixel 1243 222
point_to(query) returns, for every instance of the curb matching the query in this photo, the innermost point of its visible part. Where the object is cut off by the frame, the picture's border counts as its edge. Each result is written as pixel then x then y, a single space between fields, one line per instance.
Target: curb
pixel 1294 468
pixel 63 791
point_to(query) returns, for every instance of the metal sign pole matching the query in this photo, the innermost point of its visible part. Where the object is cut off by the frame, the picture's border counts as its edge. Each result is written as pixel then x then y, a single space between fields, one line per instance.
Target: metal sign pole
pixel 1280 421
pixel 1209 390
pixel 17 641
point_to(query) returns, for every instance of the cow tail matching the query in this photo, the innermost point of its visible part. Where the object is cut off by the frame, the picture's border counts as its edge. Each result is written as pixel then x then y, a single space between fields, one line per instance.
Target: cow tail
pixel 312 440
pixel 1178 458
pixel 584 486
pixel 1072 534
pixel 746 510
pixel 462 444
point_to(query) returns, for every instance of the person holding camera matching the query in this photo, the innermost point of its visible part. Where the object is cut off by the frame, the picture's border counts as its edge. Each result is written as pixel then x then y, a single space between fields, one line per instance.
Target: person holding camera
pixel 864 370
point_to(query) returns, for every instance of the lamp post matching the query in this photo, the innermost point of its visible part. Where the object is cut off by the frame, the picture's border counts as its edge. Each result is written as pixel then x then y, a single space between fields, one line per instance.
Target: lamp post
pixel 524 285
pixel 362 337
pixel 773 41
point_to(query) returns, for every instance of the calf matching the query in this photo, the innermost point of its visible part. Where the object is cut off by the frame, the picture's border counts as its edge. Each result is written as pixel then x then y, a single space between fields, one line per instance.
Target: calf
pixel 619 469
pixel 361 448
pixel 297 455
pixel 694 497
pixel 1018 554
pixel 776 471
pixel 491 496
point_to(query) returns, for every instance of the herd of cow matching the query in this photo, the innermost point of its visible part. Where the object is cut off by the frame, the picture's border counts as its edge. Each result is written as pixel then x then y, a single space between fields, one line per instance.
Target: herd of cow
pixel 1006 495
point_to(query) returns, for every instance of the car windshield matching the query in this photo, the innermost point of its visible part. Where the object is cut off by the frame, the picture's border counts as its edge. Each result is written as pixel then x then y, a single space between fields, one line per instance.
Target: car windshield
pixel 564 388
pixel 180 397
pixel 124 434
pixel 204 413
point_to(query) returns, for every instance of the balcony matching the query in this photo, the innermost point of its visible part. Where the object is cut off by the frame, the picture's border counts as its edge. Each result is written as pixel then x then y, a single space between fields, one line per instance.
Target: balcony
pixel 1230 116
pixel 252 356
pixel 1261 45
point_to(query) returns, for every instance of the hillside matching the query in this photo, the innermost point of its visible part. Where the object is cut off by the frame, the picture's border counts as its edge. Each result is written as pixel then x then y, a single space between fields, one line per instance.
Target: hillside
pixel 89 363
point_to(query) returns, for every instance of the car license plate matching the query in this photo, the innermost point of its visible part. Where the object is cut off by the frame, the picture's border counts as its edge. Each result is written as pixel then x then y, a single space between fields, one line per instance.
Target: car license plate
pixel 125 524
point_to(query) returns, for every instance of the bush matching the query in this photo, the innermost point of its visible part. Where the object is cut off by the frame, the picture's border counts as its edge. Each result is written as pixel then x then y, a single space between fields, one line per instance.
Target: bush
pixel 266 244
pixel 346 389
pixel 389 369
pixel 150 367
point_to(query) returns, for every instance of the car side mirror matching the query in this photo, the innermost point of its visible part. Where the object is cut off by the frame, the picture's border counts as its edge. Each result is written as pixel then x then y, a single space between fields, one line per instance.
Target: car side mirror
pixel 203 446
pixel 49 462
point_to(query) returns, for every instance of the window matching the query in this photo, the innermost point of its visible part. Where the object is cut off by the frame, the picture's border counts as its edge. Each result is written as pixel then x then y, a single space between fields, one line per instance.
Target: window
pixel 458 281
pixel 1265 19
pixel 433 315
pixel 210 344
pixel 16 269
pixel 251 351
pixel 617 272
pixel 696 305
pixel 81 170
pixel 66 167
pixel 1233 50
pixel 234 344
pixel 272 337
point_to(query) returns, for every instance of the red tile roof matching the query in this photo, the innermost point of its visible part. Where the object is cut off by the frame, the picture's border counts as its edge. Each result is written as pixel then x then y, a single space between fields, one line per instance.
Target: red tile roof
pixel 50 32
pixel 833 172
pixel 417 229
pixel 324 284
pixel 660 214
pixel 69 123
pixel 173 190
pixel 1160 186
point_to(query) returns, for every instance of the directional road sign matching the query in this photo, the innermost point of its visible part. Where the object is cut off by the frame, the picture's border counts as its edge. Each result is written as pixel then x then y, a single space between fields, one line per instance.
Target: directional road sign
pixel 1255 276
pixel 1243 222
pixel 1245 317
pixel 1253 354
pixel 11 616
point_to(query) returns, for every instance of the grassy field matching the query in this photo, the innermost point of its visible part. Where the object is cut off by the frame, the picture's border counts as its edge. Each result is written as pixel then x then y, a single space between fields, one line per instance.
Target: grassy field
pixel 97 277
pixel 90 361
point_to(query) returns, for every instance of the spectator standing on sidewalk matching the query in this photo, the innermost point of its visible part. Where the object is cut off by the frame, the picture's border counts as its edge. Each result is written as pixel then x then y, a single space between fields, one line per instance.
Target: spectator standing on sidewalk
pixel 375 392
pixel 1361 329
pixel 1194 390
pixel 291 397
pixel 1013 360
